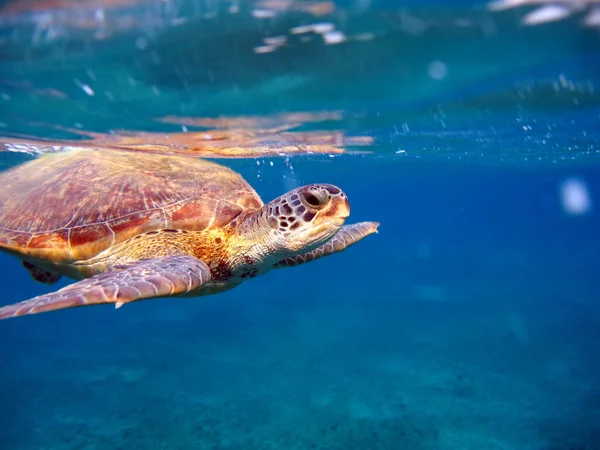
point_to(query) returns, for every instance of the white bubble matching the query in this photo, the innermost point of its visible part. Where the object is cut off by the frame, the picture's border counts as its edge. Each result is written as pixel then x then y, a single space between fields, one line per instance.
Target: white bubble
pixel 500 5
pixel 99 15
pixel 575 197
pixel 322 28
pixel 85 88
pixel 263 13
pixel 593 18
pixel 437 70
pixel 301 29
pixel 265 49
pixel 275 40
pixel 334 37
pixel 545 14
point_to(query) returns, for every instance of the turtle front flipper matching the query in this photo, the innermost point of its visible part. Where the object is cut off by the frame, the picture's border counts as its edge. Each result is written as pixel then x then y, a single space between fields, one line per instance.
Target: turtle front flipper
pixel 144 279
pixel 346 236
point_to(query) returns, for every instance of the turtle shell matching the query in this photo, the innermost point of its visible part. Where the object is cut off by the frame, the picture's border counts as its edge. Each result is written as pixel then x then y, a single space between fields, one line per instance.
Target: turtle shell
pixel 71 206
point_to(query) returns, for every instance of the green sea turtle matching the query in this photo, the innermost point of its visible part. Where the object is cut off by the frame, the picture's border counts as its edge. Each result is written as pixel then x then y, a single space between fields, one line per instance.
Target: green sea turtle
pixel 133 226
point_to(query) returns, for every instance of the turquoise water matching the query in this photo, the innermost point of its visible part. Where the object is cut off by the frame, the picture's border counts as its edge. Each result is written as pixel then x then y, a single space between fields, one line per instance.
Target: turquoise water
pixel 471 321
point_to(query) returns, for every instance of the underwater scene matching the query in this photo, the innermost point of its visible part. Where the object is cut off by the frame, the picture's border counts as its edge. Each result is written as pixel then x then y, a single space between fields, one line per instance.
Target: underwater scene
pixel 162 160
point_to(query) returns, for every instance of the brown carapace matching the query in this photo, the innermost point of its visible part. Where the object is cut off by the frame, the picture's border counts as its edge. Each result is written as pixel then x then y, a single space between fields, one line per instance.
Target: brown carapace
pixel 132 226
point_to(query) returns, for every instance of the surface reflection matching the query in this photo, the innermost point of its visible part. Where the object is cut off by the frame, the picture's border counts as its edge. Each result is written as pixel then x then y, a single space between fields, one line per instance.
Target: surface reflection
pixel 221 137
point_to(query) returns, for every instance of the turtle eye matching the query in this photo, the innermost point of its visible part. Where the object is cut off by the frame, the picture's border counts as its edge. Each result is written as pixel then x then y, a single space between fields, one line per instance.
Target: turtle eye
pixel 314 200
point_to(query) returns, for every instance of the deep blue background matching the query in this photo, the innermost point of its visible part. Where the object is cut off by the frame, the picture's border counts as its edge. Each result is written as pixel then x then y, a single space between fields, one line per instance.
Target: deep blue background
pixel 475 309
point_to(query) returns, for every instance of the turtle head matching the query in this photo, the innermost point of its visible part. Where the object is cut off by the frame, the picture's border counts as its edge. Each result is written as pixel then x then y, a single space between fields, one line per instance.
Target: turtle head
pixel 305 218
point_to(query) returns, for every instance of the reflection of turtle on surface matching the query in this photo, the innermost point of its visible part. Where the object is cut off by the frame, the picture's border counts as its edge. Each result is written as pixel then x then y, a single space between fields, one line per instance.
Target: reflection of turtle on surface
pixel 133 226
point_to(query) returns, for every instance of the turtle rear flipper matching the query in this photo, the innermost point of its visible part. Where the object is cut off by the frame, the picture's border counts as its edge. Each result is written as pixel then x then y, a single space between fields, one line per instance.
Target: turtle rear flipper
pixel 41 275
pixel 144 279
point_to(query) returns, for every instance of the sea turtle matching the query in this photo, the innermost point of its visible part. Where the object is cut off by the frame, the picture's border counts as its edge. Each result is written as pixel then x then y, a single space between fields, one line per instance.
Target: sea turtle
pixel 133 226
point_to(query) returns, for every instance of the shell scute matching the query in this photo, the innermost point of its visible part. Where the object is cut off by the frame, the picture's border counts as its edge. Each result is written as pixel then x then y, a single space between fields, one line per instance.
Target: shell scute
pixel 141 220
pixel 225 213
pixel 84 235
pixel 43 240
pixel 251 203
pixel 16 238
pixel 191 212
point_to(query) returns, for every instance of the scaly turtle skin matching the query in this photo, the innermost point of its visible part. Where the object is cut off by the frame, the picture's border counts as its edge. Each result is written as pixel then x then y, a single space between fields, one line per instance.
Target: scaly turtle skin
pixel 134 226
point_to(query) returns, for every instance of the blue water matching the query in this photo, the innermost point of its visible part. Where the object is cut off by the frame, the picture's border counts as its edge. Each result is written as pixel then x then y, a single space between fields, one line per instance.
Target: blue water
pixel 471 321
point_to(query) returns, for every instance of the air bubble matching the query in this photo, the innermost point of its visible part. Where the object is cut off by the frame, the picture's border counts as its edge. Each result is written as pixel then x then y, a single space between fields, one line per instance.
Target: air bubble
pixel 575 197
pixel 437 70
